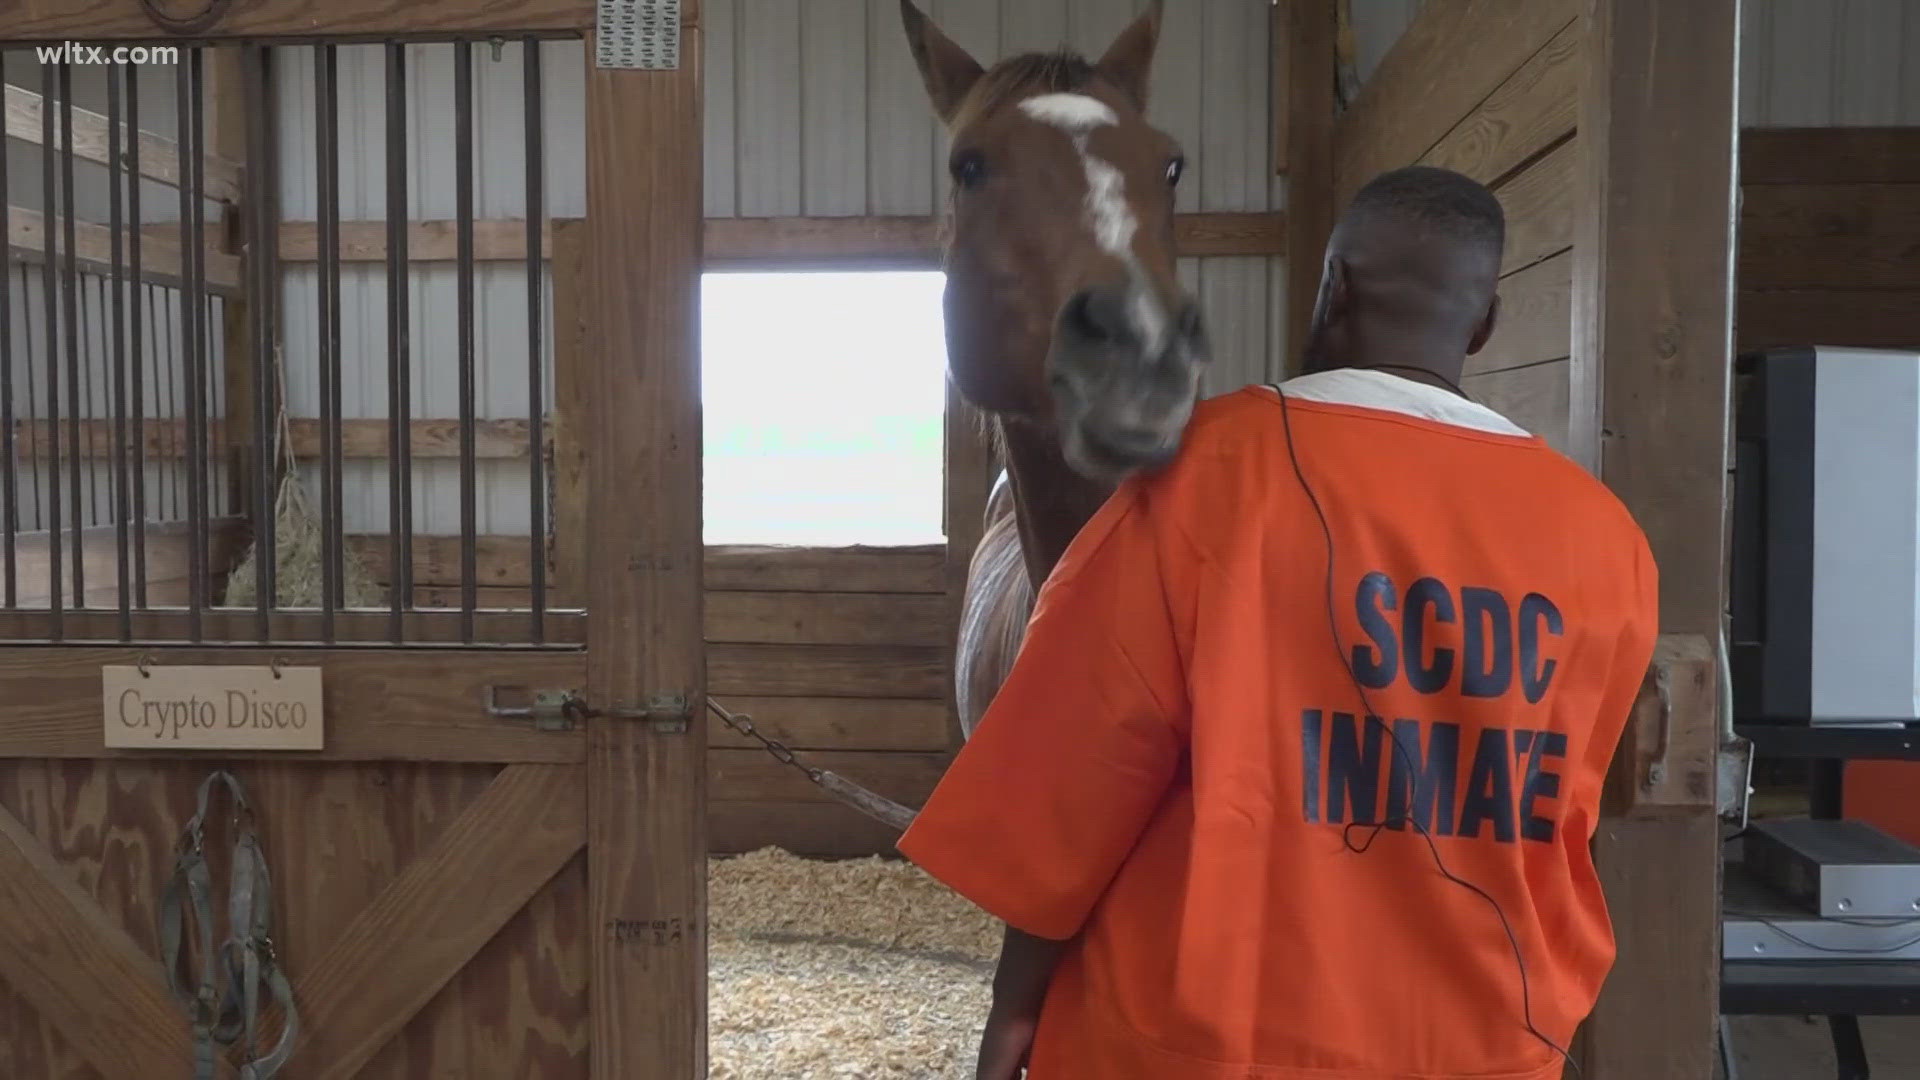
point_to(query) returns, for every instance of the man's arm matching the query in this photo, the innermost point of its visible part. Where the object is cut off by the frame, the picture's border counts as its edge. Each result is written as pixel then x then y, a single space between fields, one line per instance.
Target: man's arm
pixel 1019 990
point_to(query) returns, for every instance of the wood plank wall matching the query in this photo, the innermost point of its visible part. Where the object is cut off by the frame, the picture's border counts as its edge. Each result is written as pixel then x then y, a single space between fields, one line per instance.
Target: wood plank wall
pixel 1829 238
pixel 844 653
pixel 1475 87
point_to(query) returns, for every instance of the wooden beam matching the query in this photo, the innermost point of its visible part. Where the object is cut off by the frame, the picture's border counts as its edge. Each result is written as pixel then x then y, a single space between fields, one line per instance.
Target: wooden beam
pixel 829 618
pixel 897 671
pixel 159 157
pixel 74 964
pixel 1832 155
pixel 572 405
pixel 905 242
pixel 290 628
pixel 823 723
pixel 1312 27
pixel 1768 211
pixel 1861 318
pixel 1832 263
pixel 646 785
pixel 91 21
pixel 1534 109
pixel 427 705
pixel 159 261
pixel 503 561
pixel 397 954
pixel 754 775
pixel 1651 369
pixel 1450 59
pixel 433 439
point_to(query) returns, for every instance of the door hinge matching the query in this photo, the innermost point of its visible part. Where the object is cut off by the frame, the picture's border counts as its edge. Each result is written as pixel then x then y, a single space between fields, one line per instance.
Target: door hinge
pixel 561 710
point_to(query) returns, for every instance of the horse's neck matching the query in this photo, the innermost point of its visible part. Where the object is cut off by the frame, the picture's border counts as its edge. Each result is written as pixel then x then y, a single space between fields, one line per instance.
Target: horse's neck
pixel 1051 501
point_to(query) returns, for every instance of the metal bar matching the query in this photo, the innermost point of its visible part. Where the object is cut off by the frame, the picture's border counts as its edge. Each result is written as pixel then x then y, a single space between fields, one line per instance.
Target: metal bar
pixel 164 308
pixel 77 405
pixel 463 213
pixel 123 502
pixel 191 241
pixel 86 407
pixel 9 479
pixel 326 138
pixel 135 294
pixel 399 399
pixel 33 394
pixel 49 176
pixel 536 340
pixel 259 284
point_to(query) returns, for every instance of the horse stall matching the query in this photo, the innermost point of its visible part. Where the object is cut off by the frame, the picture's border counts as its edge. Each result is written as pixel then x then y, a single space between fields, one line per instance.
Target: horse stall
pixel 353 363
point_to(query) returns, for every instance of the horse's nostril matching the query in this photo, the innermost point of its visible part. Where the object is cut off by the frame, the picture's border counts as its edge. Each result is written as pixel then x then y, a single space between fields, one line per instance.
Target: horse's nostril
pixel 1098 316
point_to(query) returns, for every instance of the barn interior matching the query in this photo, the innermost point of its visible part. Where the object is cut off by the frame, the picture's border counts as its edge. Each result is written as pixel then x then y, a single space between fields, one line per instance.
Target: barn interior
pixel 308 359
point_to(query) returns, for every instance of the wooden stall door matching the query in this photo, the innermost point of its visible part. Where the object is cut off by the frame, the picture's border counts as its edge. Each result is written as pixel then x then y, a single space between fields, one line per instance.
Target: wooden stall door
pixel 456 892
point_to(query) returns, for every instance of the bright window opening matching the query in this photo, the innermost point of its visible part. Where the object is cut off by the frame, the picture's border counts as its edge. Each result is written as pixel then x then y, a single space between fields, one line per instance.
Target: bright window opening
pixel 824 398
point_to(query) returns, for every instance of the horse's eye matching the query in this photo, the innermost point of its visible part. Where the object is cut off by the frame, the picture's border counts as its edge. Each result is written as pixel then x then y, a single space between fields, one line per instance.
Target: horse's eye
pixel 1175 170
pixel 969 168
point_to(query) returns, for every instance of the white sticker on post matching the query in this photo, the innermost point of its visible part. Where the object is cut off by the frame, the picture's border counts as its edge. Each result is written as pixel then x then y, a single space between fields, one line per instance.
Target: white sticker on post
pixel 188 707
pixel 643 35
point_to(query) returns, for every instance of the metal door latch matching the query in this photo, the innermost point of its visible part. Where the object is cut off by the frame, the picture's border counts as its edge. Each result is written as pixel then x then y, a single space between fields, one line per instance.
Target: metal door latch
pixel 561 710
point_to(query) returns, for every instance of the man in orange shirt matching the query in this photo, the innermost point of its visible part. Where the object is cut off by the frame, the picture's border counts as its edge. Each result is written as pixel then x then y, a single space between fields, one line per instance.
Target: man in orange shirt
pixel 1295 776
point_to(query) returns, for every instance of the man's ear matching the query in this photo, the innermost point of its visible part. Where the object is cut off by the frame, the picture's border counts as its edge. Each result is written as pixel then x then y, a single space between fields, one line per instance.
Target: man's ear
pixel 1485 331
pixel 945 67
pixel 1129 62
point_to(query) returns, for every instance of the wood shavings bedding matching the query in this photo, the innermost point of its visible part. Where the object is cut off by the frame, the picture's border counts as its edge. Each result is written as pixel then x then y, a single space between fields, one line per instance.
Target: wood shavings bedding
pixel 862 969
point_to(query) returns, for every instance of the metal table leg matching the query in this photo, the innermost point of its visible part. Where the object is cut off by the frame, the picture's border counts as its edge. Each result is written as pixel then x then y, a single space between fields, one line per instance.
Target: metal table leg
pixel 1848 1050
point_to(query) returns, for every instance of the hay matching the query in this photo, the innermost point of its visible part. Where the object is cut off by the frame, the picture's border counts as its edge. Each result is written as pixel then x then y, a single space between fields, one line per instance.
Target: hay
pixel 864 968
pixel 298 561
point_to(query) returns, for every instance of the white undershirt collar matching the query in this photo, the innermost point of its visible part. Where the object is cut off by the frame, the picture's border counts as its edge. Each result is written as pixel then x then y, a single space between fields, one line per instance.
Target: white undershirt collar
pixel 1382 390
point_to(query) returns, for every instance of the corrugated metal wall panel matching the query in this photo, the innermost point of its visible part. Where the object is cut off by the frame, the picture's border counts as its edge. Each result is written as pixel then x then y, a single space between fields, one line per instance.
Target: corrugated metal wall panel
pixel 833 93
pixel 1821 63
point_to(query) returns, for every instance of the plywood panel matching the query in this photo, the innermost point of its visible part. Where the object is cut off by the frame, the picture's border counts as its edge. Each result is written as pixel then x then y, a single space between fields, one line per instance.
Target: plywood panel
pixel 814 829
pixel 1536 318
pixel 833 91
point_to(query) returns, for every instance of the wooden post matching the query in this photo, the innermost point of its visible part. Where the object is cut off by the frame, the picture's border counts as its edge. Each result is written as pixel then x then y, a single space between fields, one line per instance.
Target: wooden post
pixel 1651 362
pixel 646 784
pixel 572 408
pixel 1309 41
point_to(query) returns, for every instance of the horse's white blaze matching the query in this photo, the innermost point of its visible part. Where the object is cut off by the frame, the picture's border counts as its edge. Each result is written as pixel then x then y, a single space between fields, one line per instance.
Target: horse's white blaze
pixel 1073 113
pixel 1108 213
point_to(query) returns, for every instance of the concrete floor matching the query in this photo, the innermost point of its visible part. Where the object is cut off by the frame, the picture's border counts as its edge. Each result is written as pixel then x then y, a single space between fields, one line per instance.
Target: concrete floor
pixel 1792 1048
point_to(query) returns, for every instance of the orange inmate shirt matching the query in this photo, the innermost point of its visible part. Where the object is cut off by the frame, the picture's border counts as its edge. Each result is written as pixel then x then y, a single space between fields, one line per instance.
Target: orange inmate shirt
pixel 1171 768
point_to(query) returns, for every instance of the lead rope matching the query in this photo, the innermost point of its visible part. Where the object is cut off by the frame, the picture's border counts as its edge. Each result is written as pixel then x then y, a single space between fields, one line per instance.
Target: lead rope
pixel 878 807
pixel 219 1017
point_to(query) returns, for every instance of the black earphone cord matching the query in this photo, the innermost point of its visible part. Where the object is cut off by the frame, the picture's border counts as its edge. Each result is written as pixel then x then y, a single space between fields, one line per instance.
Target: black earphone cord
pixel 1403 821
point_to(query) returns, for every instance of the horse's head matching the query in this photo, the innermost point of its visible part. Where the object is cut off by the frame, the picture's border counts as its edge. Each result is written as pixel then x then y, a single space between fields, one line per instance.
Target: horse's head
pixel 1063 306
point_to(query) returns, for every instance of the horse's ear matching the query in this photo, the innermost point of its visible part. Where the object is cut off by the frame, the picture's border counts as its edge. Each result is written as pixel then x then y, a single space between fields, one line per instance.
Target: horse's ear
pixel 947 69
pixel 1130 61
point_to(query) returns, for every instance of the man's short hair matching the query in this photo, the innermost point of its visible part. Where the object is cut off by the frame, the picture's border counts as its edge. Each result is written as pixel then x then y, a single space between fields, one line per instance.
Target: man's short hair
pixel 1438 203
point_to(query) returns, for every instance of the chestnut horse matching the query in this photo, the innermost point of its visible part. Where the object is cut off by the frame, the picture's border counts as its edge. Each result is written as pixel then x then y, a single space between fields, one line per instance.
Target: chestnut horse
pixel 1065 321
